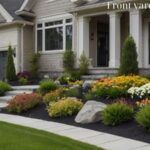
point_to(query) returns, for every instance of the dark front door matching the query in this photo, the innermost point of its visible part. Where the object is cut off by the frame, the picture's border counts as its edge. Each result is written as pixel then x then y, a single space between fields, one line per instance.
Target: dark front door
pixel 102 45
pixel 3 55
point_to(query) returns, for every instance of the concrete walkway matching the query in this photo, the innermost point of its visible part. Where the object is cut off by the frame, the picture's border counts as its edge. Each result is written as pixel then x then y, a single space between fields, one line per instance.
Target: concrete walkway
pixel 100 139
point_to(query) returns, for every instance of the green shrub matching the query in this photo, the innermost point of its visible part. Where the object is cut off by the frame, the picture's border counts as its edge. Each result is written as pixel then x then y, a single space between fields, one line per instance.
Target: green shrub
pixel 117 113
pixel 143 117
pixel 4 87
pixel 47 86
pixel 72 92
pixel 69 61
pixel 129 63
pixel 89 96
pixel 53 96
pixel 65 107
pixel 84 64
pixel 10 67
pixel 23 81
pixel 34 65
pixel 109 92
pixel 75 75
pixel 23 102
pixel 64 79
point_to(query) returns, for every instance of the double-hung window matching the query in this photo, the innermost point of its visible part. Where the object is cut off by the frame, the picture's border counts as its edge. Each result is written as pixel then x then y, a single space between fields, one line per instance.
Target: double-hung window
pixel 54 35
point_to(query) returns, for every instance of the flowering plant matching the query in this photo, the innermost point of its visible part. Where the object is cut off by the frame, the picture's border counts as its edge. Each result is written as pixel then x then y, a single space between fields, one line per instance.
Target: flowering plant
pixel 24 74
pixel 140 92
pixel 23 102
pixel 143 103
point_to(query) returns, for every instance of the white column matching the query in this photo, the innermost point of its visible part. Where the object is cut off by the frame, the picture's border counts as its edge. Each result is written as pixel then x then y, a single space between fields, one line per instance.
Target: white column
pixel 136 31
pixel 83 36
pixel 115 48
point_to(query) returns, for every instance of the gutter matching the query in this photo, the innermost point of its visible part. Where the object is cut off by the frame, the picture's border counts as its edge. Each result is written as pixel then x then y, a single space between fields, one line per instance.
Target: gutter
pixel 17 22
pixel 97 5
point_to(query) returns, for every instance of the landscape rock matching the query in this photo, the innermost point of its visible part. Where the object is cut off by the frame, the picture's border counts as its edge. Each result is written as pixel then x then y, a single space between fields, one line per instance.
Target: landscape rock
pixel 86 85
pixel 90 113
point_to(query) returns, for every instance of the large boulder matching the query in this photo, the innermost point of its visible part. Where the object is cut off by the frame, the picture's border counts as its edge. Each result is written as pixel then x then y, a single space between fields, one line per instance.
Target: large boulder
pixel 90 113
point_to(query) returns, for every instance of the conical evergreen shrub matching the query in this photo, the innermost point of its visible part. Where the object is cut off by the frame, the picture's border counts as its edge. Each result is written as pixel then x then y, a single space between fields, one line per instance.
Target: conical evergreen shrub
pixel 10 67
pixel 129 63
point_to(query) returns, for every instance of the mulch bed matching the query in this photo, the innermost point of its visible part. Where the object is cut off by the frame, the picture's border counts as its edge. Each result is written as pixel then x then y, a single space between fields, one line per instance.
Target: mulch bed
pixel 129 130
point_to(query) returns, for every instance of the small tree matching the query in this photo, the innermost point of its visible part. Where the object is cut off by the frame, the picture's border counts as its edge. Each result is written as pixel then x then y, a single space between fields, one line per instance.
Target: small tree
pixel 35 65
pixel 84 64
pixel 69 61
pixel 129 64
pixel 10 67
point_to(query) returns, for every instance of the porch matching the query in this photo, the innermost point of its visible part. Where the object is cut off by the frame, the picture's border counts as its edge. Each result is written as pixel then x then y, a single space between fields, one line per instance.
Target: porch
pixel 101 37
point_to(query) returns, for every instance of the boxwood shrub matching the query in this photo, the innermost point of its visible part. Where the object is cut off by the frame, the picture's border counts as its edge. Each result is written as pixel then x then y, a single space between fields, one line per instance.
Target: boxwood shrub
pixel 4 87
pixel 143 117
pixel 117 113
pixel 47 86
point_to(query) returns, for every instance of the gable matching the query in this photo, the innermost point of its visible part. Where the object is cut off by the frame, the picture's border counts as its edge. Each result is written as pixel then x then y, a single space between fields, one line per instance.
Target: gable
pixel 2 19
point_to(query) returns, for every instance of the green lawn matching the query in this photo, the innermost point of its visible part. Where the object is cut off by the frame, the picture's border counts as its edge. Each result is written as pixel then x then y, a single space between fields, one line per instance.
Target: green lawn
pixel 14 137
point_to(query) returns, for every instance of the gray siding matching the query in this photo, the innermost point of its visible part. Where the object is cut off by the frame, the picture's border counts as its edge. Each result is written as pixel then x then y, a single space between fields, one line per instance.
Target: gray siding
pixel 51 62
pixel 43 8
pixel 2 19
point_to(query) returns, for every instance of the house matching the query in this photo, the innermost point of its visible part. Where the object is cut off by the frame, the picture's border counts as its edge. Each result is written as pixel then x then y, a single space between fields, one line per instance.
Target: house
pixel 96 27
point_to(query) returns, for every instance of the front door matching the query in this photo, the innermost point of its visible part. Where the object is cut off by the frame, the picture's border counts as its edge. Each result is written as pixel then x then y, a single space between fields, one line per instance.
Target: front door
pixel 102 44
pixel 3 55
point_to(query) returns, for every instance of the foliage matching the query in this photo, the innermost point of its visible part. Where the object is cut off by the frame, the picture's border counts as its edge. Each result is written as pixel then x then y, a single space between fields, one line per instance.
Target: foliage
pixel 77 82
pixel 117 113
pixel 4 87
pixel 64 80
pixel 143 117
pixel 53 96
pixel 24 74
pixel 72 92
pixel 34 62
pixel 140 92
pixel 143 103
pixel 64 107
pixel 23 81
pixel 47 86
pixel 109 92
pixel 129 63
pixel 23 102
pixel 10 67
pixel 75 75
pixel 69 61
pixel 89 96
pixel 84 64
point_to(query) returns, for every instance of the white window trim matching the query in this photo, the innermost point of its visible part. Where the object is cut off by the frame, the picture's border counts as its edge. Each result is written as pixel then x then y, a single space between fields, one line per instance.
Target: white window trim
pixel 43 28
pixel 146 43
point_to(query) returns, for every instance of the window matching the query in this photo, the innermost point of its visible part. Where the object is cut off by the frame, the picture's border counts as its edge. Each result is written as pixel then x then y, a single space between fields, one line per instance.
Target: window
pixel 69 37
pixel 39 37
pixel 56 35
pixel 54 39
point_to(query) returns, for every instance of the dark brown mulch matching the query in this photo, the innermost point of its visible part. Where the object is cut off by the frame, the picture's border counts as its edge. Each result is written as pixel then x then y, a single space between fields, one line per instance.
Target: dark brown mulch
pixel 129 130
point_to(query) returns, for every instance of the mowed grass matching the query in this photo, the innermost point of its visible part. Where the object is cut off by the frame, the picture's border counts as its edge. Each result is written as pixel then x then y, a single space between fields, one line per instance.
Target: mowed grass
pixel 13 137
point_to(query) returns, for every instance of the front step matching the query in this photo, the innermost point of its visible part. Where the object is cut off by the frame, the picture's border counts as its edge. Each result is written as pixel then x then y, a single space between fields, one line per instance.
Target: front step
pixel 26 88
pixel 17 92
pixel 5 98
pixel 93 77
pixel 3 105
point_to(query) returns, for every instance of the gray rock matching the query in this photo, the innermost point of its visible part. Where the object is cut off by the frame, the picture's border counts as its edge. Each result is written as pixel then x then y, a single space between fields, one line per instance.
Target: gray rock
pixel 90 113
pixel 87 85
